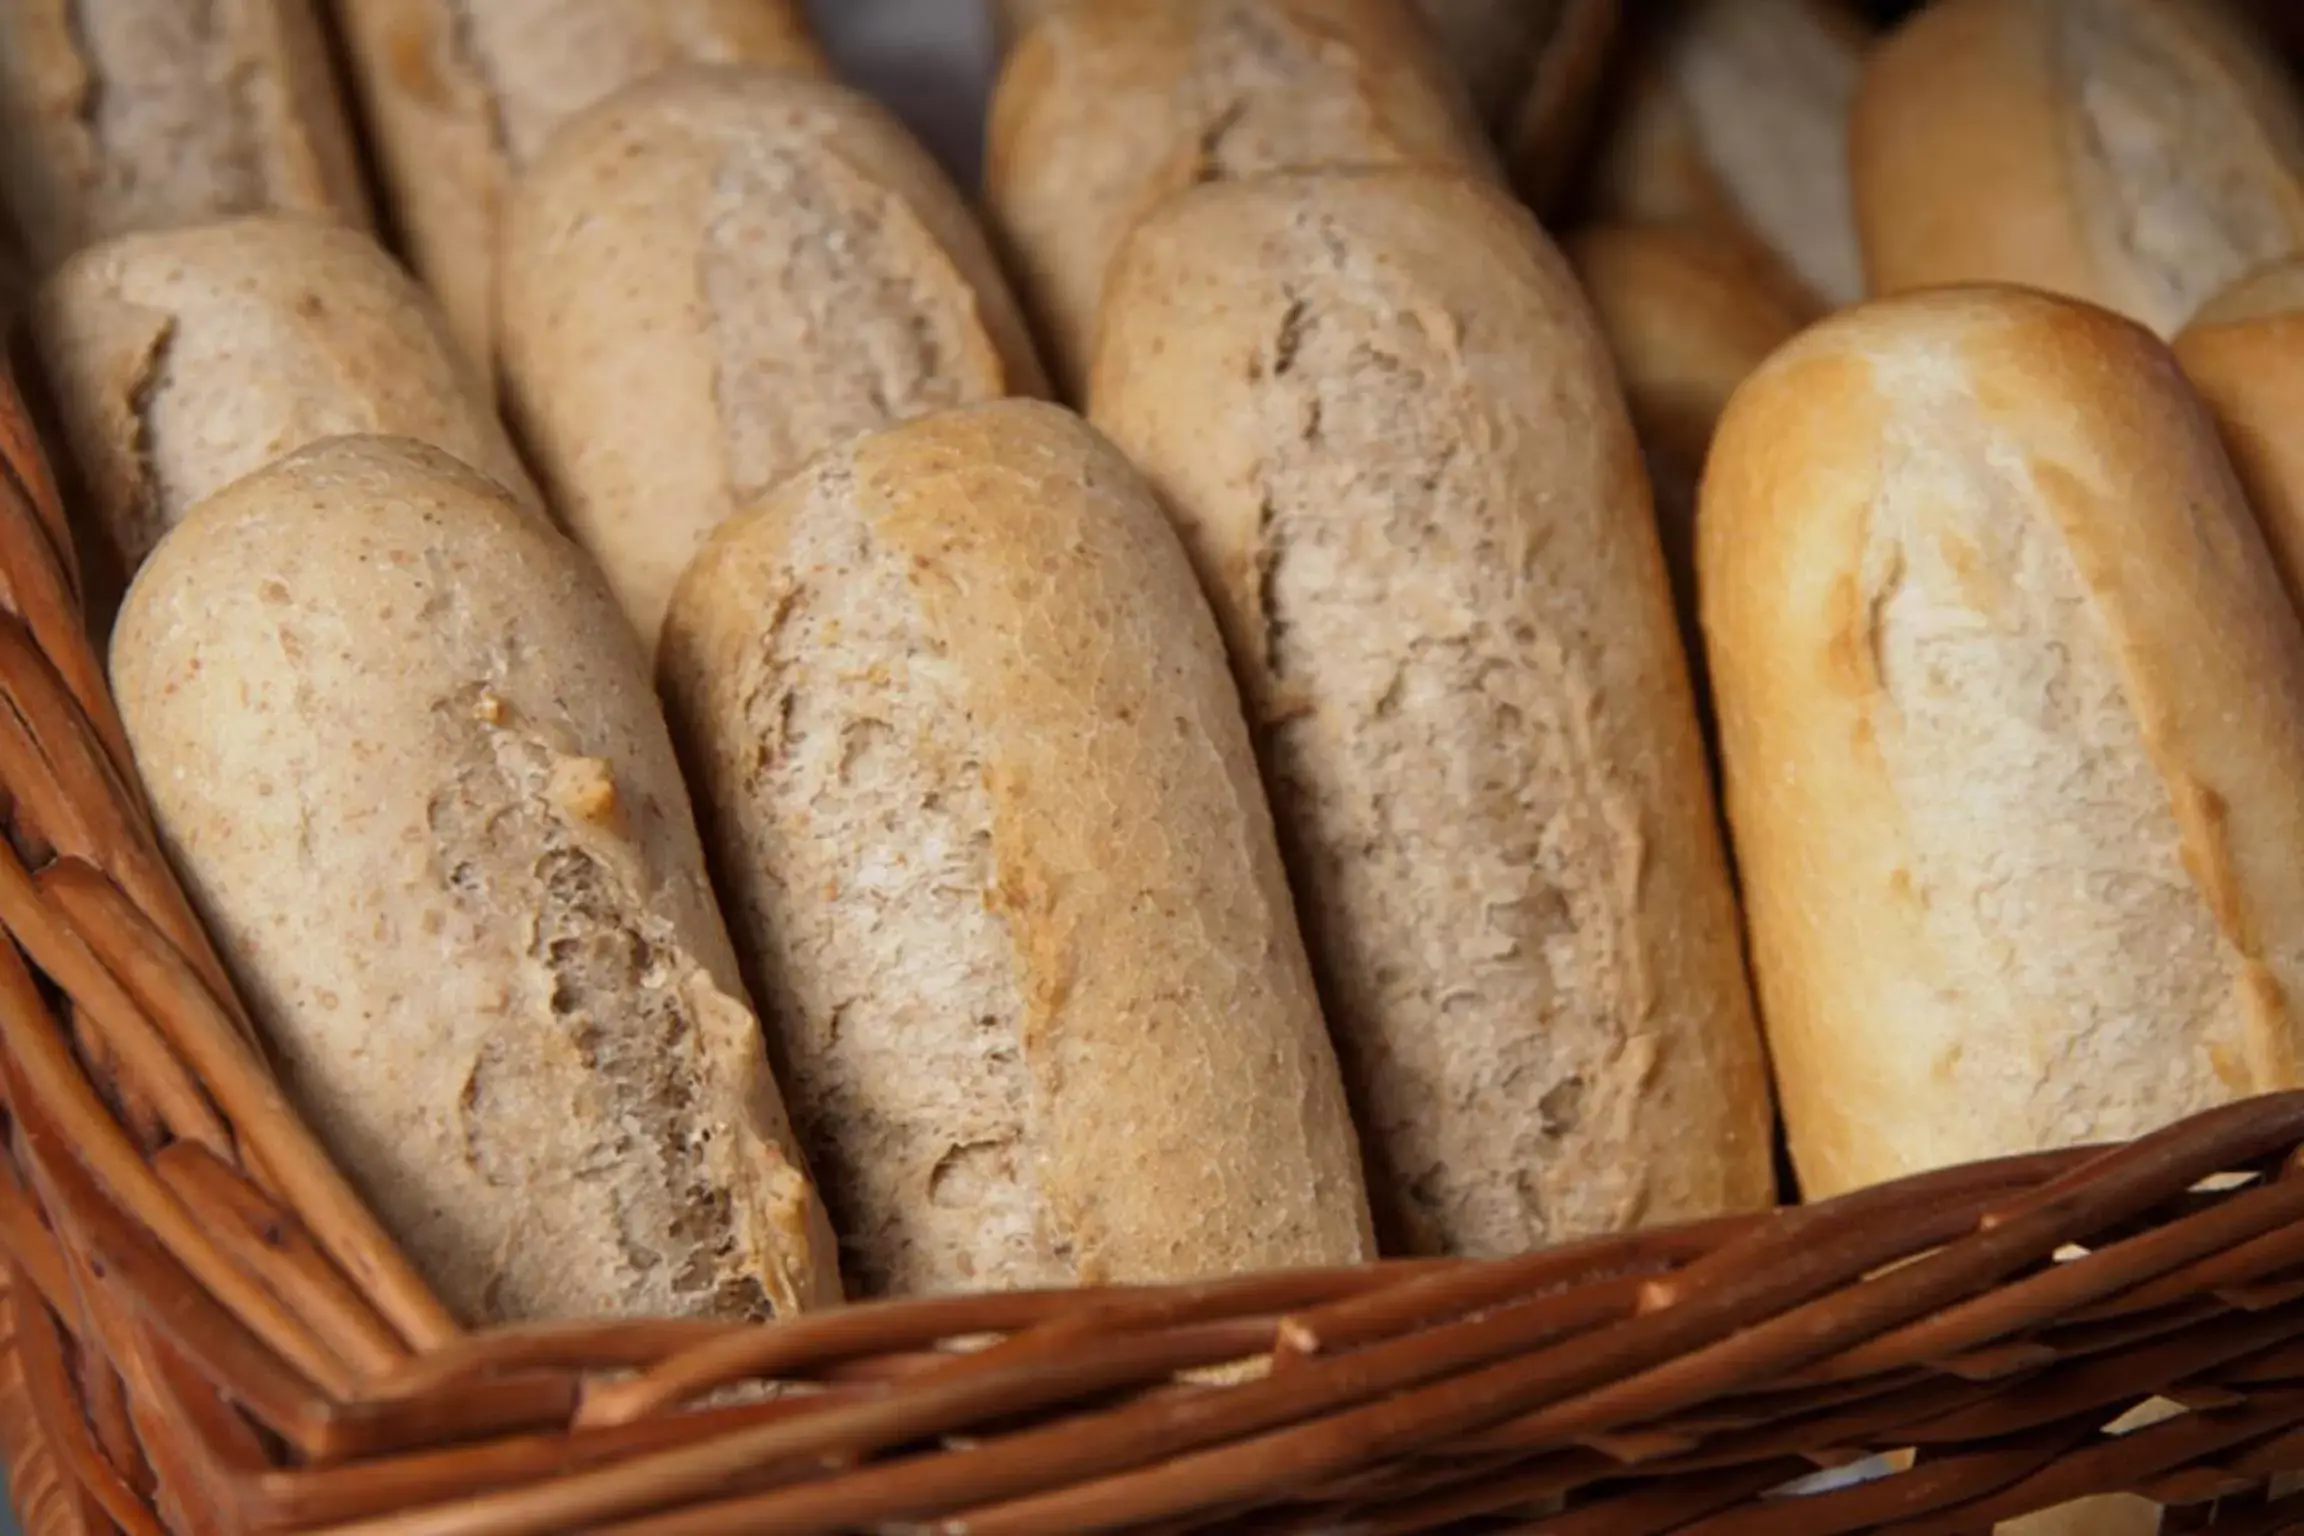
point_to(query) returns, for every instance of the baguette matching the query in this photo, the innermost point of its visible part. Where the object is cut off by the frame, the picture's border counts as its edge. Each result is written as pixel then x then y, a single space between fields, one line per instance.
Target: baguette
pixel 463 95
pixel 2244 352
pixel 419 787
pixel 2139 154
pixel 183 359
pixel 1734 124
pixel 1106 109
pixel 122 115
pixel 712 276
pixel 2012 716
pixel 1383 416
pixel 986 809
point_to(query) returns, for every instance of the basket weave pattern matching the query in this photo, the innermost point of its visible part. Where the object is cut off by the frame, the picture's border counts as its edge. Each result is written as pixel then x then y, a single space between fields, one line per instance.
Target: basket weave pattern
pixel 203 1330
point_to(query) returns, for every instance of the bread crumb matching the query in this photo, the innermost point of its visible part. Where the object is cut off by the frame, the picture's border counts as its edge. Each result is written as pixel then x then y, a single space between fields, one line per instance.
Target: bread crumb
pixel 585 788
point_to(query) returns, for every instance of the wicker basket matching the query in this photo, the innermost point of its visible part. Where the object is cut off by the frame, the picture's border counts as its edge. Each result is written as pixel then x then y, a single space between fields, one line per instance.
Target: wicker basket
pixel 202 1330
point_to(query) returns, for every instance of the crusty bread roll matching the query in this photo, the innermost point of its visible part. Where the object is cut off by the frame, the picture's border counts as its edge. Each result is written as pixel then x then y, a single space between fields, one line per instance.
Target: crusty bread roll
pixel 985 806
pixel 463 96
pixel 183 359
pixel 2012 712
pixel 414 774
pixel 1735 123
pixel 1106 109
pixel 119 115
pixel 710 277
pixel 2141 154
pixel 2244 352
pixel 1386 422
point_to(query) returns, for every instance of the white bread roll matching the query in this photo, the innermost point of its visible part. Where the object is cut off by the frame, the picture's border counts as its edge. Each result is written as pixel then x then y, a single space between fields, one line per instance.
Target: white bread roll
pixel 2140 154
pixel 463 96
pixel 2012 713
pixel 2244 352
pixel 411 767
pixel 985 808
pixel 181 360
pixel 710 277
pixel 1382 415
pixel 1107 108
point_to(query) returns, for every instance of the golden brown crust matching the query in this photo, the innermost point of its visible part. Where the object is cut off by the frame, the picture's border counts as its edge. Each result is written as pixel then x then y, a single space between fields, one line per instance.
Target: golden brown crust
pixel 1385 421
pixel 2245 354
pixel 123 115
pixel 717 274
pixel 1106 109
pixel 463 95
pixel 988 813
pixel 1981 596
pixel 2136 154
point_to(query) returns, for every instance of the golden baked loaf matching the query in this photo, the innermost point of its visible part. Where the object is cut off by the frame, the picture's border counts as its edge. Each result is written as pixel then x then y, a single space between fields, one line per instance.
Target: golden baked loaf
pixel 985 807
pixel 709 278
pixel 1382 415
pixel 2244 352
pixel 1106 109
pixel 122 115
pixel 2140 154
pixel 417 782
pixel 461 97
pixel 2012 714
pixel 182 359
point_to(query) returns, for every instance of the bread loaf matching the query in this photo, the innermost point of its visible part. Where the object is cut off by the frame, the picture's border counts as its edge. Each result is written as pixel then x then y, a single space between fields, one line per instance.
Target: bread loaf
pixel 463 95
pixel 985 807
pixel 1382 414
pixel 2244 352
pixel 411 767
pixel 1491 43
pixel 2012 712
pixel 2140 154
pixel 709 278
pixel 119 115
pixel 1108 108
pixel 1735 124
pixel 183 359
pixel 1547 122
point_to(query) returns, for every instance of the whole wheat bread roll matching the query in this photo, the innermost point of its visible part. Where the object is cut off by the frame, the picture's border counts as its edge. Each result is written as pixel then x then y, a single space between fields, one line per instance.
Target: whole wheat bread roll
pixel 183 359
pixel 713 276
pixel 462 96
pixel 120 115
pixel 410 765
pixel 1107 108
pixel 1386 423
pixel 2244 352
pixel 1735 124
pixel 985 808
pixel 2141 154
pixel 2012 712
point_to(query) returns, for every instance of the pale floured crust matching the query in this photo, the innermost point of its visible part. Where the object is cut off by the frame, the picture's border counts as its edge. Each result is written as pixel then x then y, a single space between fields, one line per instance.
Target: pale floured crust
pixel 1385 421
pixel 463 94
pixel 1109 107
pixel 715 275
pixel 1983 602
pixel 181 360
pixel 123 115
pixel 415 776
pixel 2138 154
pixel 2245 354
pixel 986 810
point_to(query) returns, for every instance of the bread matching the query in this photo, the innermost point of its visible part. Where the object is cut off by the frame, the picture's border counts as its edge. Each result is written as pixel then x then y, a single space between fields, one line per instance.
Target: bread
pixel 2012 712
pixel 712 276
pixel 2140 154
pixel 1685 322
pixel 1734 123
pixel 2244 352
pixel 985 808
pixel 1105 110
pixel 1547 122
pixel 462 96
pixel 1385 421
pixel 415 777
pixel 1491 43
pixel 120 115
pixel 1011 19
pixel 183 359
